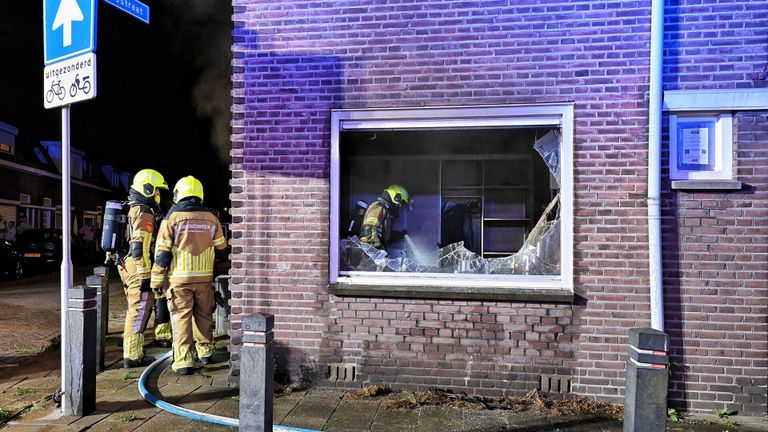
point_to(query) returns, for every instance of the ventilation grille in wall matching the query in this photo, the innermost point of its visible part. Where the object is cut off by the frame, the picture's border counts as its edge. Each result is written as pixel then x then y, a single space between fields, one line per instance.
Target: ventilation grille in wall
pixel 47 202
pixel 25 199
pixel 555 384
pixel 338 372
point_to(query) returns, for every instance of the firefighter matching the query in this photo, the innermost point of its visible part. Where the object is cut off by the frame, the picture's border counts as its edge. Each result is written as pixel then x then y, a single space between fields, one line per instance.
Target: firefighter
pixel 377 222
pixel 189 240
pixel 135 269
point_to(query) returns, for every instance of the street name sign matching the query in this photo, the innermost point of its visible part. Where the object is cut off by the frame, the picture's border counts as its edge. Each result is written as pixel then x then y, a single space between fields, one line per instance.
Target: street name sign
pixel 134 8
pixel 69 28
pixel 69 81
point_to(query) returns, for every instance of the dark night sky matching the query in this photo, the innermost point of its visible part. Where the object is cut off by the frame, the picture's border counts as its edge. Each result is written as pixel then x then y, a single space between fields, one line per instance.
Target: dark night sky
pixel 162 89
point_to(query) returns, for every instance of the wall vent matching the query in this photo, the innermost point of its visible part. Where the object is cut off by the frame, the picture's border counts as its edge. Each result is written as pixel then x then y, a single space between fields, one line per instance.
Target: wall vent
pixel 25 199
pixel 555 384
pixel 47 202
pixel 338 372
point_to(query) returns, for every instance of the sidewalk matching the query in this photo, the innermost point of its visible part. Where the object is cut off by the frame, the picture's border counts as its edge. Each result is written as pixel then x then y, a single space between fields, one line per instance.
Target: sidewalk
pixel 26 389
pixel 120 407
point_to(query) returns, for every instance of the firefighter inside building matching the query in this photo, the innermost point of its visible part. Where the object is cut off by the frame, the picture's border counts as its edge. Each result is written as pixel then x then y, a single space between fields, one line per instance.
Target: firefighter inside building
pixel 188 242
pixel 376 226
pixel 135 267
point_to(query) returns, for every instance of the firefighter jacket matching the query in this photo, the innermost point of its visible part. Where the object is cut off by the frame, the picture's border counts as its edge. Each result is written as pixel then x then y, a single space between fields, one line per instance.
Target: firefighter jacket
pixel 377 224
pixel 189 239
pixel 141 227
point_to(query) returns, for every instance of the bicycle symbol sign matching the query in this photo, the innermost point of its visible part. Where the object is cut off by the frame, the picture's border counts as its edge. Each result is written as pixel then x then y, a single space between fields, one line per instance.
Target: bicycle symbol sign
pixel 70 81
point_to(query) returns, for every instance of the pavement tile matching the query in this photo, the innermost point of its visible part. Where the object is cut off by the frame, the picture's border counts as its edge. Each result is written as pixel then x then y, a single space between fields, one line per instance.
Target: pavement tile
pixel 483 421
pixel 353 415
pixel 439 418
pixel 40 428
pixel 284 405
pixel 387 420
pixel 314 410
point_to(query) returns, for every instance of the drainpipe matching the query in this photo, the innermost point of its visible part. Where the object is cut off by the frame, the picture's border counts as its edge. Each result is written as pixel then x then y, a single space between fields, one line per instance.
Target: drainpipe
pixel 654 164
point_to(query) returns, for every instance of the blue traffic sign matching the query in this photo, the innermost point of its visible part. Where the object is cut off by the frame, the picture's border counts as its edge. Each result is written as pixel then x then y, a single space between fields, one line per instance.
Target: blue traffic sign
pixel 134 8
pixel 69 28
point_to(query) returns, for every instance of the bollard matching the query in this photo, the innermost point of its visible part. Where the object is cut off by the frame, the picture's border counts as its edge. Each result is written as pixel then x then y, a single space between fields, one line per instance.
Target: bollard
pixel 103 271
pixel 97 283
pixel 645 408
pixel 221 315
pixel 256 385
pixel 80 351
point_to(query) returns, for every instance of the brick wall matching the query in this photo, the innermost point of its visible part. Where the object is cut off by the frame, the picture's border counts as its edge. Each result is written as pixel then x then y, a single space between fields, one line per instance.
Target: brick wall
pixel 295 61
pixel 715 268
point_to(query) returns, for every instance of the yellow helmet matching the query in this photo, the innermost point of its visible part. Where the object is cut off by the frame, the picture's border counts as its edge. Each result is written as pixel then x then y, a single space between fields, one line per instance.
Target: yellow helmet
pixel 147 181
pixel 187 187
pixel 397 194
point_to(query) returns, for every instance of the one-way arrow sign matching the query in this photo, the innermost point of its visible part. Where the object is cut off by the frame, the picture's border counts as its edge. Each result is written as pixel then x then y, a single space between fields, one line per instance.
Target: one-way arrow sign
pixel 68 11
pixel 69 28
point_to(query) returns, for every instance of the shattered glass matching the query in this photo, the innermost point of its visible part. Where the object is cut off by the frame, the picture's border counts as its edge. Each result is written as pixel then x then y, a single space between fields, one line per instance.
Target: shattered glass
pixel 548 148
pixel 539 255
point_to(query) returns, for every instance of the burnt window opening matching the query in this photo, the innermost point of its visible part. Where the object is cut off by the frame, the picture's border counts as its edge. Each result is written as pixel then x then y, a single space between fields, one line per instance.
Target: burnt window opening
pixel 482 200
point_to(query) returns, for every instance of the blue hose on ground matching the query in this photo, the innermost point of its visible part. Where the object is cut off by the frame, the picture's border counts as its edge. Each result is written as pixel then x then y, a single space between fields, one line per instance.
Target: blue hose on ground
pixel 192 414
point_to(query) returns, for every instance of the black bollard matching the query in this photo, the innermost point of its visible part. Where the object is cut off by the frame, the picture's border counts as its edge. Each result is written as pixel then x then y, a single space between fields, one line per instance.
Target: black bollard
pixel 80 351
pixel 645 408
pixel 256 385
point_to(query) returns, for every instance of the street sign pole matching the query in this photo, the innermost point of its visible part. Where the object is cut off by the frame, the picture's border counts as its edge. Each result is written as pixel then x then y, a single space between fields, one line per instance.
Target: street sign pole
pixel 66 258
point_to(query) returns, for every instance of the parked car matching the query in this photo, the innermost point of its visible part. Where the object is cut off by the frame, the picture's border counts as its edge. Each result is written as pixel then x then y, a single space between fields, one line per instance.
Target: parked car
pixel 40 249
pixel 11 263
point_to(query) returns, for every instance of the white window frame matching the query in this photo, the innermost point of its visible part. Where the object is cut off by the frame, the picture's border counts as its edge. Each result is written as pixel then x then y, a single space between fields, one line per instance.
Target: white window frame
pixel 555 115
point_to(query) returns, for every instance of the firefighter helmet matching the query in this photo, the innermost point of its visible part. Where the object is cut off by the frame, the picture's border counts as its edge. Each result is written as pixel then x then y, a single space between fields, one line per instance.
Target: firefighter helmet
pixel 397 194
pixel 147 182
pixel 187 187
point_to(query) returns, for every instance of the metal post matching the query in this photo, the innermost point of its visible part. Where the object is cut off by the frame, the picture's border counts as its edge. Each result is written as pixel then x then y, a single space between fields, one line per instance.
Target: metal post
pixel 645 407
pixel 256 385
pixel 97 282
pixel 66 259
pixel 80 351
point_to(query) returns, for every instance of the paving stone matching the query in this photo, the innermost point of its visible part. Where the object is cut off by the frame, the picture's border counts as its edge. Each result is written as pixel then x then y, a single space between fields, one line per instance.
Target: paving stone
pixel 444 419
pixel 387 420
pixel 284 404
pixel 313 411
pixel 353 415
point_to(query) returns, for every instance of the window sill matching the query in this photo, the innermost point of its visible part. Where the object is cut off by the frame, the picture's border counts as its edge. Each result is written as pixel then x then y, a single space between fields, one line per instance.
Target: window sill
pixel 552 295
pixel 706 185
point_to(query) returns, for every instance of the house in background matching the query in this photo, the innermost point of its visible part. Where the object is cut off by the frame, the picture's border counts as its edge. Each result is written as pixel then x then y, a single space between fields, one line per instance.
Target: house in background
pixel 535 115
pixel 30 183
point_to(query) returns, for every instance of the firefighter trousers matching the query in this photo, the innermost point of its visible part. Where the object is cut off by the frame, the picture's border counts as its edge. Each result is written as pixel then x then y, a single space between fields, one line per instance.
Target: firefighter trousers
pixel 140 304
pixel 191 307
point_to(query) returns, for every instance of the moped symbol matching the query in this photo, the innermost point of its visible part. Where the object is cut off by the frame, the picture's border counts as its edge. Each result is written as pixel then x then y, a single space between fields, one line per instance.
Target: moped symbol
pixel 85 85
pixel 55 90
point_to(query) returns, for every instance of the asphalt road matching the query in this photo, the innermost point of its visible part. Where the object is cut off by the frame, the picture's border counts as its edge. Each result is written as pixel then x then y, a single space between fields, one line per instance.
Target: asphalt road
pixel 29 313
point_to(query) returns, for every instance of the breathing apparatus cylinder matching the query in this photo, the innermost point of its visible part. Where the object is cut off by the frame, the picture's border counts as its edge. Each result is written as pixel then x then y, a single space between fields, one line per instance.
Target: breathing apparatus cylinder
pixel 113 235
pixel 358 213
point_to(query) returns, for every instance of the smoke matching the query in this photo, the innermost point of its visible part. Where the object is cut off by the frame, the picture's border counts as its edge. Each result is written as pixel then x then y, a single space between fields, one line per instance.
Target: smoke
pixel 202 32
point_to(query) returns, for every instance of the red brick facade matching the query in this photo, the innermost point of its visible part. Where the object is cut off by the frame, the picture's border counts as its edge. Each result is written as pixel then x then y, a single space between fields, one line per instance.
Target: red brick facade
pixel 294 61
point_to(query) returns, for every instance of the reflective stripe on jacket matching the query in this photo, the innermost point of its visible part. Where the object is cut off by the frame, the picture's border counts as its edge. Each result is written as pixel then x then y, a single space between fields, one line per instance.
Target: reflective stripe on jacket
pixel 191 237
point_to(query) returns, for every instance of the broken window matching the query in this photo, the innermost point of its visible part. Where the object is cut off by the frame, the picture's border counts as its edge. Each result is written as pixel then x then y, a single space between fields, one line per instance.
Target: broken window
pixel 481 200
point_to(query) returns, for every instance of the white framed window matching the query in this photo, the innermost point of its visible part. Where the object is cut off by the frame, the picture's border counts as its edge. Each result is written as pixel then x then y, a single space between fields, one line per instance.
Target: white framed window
pixel 511 166
pixel 700 146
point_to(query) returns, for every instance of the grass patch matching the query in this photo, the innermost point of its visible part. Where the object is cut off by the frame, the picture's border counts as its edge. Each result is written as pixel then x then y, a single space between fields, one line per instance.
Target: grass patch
pixel 128 376
pixel 23 391
pixel 38 404
pixel 4 415
pixel 128 417
pixel 236 398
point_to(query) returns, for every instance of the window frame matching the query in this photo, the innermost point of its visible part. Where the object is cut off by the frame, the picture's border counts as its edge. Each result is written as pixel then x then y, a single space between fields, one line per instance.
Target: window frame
pixel 559 115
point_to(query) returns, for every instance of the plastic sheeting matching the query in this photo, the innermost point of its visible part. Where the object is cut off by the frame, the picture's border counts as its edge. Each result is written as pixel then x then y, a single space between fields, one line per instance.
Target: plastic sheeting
pixel 540 255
